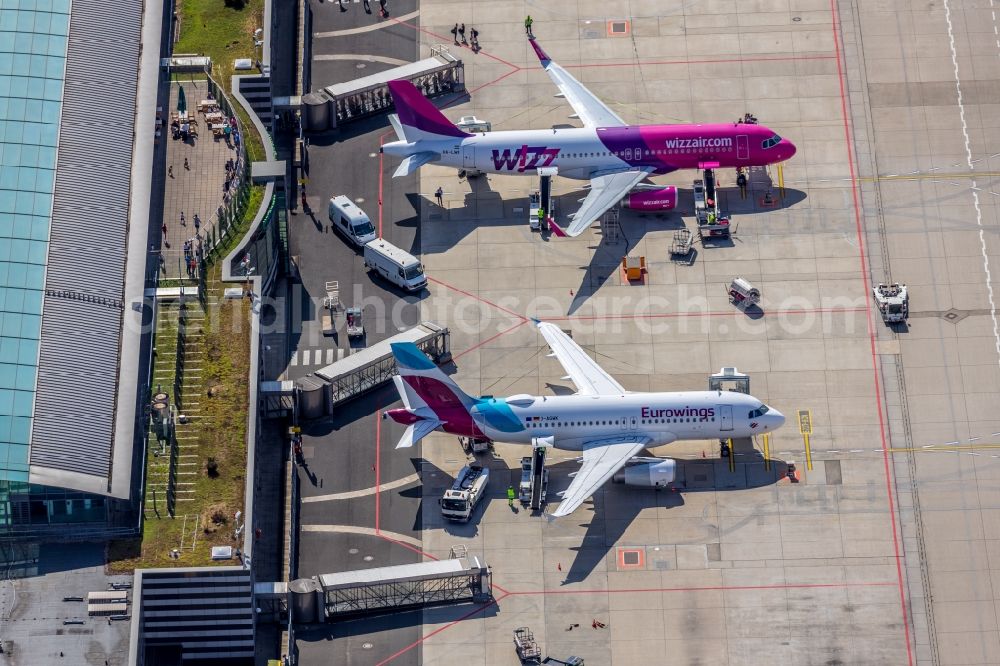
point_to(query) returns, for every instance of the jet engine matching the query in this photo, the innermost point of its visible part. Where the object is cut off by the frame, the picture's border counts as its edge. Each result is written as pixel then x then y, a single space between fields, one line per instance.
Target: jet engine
pixel 647 472
pixel 661 198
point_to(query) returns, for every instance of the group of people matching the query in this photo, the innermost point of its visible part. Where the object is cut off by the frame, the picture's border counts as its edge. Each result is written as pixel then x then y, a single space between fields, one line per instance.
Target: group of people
pixel 230 178
pixel 383 7
pixel 458 32
pixel 747 119
pixel 192 253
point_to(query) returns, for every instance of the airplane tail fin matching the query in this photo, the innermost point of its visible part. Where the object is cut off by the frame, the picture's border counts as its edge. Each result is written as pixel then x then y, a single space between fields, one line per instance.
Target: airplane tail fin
pixel 425 384
pixel 417 117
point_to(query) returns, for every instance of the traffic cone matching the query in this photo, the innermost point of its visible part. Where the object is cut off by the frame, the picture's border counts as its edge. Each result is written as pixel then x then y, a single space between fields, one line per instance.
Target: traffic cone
pixel 559 566
pixel 593 624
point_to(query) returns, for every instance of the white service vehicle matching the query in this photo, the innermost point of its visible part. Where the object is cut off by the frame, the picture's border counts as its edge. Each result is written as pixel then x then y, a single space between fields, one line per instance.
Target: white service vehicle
pixel 351 221
pixel 893 302
pixel 397 266
pixel 469 488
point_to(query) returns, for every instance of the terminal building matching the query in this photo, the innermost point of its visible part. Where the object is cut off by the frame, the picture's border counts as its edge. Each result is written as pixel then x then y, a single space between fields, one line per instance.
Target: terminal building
pixel 77 106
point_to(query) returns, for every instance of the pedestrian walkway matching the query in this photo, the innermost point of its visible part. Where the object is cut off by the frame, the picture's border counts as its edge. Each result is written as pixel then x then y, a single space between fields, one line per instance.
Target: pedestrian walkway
pixel 195 173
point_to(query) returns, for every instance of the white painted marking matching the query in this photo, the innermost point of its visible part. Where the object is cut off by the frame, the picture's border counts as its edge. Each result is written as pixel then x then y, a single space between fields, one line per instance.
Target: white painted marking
pixel 950 443
pixel 351 529
pixel 295 358
pixel 972 439
pixel 975 194
pixel 405 481
pixel 340 354
pixel 329 356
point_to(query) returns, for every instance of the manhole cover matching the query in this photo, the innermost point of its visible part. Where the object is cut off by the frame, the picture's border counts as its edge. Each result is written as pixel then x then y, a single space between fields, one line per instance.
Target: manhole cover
pixel 353 551
pixel 367 646
pixel 368 558
pixel 630 557
pixel 797 19
pixel 361 65
pixel 954 316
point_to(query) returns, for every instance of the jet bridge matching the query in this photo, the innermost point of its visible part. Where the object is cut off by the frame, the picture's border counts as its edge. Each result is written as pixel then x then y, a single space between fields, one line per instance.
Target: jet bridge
pixel 331 596
pixel 342 103
pixel 323 390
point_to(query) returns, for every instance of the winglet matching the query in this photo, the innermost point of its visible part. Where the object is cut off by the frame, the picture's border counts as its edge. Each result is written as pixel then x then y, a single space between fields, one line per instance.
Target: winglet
pixel 556 229
pixel 542 56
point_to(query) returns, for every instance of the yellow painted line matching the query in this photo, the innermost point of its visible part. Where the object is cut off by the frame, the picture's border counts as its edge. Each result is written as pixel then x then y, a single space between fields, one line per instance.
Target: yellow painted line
pixel 809 455
pixel 732 457
pixel 767 452
pixel 781 179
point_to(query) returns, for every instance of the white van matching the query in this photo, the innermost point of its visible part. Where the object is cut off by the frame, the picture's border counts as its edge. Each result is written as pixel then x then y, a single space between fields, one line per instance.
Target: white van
pixel 351 221
pixel 397 266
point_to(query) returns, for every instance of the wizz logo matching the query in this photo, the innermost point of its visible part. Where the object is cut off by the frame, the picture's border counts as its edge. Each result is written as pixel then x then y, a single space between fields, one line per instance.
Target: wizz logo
pixel 523 158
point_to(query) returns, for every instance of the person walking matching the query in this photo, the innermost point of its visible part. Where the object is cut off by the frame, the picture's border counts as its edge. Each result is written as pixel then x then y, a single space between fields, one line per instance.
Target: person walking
pixel 527 27
pixel 439 195
pixel 383 10
pixel 197 224
pixel 474 36
pixel 510 496
pixel 454 33
pixel 183 221
pixel 187 166
pixel 461 31
pixel 164 228
pixel 170 170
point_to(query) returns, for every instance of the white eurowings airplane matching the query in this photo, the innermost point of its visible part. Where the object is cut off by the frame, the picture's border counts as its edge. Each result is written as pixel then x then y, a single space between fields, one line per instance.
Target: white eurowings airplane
pixel 608 424
pixel 614 156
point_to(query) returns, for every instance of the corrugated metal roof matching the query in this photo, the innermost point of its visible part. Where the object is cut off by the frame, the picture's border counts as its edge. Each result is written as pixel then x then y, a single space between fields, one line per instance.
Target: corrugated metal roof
pixel 76 392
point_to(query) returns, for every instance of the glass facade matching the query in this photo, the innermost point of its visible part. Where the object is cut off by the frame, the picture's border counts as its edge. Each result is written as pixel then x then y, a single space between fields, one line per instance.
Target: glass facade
pixel 33 36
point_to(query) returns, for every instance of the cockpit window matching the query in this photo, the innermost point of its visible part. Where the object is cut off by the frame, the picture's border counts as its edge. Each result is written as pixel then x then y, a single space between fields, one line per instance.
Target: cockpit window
pixel 759 412
pixel 771 142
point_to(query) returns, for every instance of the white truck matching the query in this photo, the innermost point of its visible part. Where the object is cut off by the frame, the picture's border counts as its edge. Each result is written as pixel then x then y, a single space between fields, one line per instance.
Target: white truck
pixel 893 302
pixel 350 221
pixel 469 488
pixel 395 265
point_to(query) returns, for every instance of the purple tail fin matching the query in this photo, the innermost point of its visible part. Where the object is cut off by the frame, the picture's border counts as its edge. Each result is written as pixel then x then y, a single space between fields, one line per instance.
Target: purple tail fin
pixel 416 111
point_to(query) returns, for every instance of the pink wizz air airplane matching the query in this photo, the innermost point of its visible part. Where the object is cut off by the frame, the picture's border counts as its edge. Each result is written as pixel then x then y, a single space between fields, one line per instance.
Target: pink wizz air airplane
pixel 614 156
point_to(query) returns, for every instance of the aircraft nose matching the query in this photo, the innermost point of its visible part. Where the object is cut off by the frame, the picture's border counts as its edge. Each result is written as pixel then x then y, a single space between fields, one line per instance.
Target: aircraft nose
pixel 777 418
pixel 787 149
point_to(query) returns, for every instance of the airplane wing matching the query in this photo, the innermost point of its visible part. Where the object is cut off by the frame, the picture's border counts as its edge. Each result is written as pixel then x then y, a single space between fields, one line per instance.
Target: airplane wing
pixel 601 459
pixel 590 378
pixel 605 191
pixel 591 110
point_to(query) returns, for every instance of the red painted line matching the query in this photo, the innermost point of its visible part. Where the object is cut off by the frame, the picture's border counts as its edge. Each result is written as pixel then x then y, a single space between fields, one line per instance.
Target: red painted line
pixel 835 18
pixel 720 61
pixel 481 300
pixel 408 546
pixel 716 313
pixel 381 172
pixel 496 80
pixel 378 469
pixel 443 38
pixel 711 588
pixel 491 338
pixel 437 631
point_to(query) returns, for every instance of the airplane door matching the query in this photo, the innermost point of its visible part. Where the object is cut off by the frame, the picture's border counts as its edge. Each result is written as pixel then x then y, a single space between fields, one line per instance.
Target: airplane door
pixel 726 416
pixel 742 147
pixel 469 157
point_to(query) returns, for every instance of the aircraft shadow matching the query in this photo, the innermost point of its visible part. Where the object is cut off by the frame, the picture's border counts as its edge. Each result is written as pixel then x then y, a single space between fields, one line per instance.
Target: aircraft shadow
pixel 614 507
pixel 349 627
pixel 633 225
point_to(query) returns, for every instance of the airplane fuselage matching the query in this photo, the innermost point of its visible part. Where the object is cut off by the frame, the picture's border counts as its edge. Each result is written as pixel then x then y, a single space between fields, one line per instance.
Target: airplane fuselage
pixel 581 152
pixel 575 419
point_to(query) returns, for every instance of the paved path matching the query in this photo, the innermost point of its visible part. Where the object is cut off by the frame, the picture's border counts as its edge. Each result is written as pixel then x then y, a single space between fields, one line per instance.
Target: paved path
pixel 195 190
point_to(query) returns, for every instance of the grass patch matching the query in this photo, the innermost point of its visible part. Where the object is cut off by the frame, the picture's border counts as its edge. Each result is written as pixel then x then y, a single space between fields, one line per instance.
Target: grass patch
pixel 220 29
pixel 208 519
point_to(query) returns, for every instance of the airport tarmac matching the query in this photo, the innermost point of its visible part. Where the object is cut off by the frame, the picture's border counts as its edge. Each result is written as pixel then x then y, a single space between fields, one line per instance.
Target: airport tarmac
pixel 884 548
